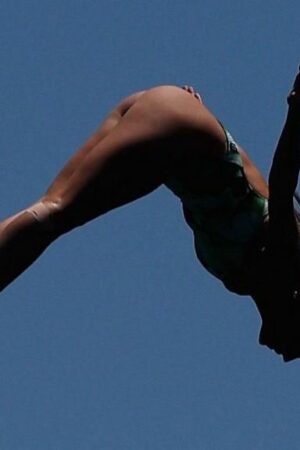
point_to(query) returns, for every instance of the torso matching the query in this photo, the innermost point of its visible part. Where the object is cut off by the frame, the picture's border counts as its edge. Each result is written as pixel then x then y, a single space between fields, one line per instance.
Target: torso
pixel 253 175
pixel 226 229
pixel 227 213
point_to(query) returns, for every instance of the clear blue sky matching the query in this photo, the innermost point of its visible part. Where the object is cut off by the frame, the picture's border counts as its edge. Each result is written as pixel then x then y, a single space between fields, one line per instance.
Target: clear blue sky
pixel 117 339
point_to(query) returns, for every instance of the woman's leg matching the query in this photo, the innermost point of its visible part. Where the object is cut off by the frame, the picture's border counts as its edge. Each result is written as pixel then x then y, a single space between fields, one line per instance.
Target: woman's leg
pixel 107 126
pixel 109 123
pixel 129 162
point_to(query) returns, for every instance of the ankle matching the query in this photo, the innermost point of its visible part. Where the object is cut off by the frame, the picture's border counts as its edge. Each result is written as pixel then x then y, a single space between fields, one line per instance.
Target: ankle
pixel 44 212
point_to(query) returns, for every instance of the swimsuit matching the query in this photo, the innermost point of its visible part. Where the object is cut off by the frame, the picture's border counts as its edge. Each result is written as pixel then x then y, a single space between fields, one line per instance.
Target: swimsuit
pixel 225 223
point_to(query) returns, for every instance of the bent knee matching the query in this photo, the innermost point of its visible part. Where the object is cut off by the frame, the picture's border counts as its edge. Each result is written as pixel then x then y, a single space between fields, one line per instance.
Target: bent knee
pixel 172 105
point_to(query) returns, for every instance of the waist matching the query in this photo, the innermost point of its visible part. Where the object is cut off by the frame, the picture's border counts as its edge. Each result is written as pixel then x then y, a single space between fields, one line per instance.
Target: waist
pixel 225 240
pixel 225 217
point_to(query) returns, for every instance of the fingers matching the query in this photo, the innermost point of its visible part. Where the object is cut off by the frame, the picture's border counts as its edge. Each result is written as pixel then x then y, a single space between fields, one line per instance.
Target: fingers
pixel 189 89
pixel 192 91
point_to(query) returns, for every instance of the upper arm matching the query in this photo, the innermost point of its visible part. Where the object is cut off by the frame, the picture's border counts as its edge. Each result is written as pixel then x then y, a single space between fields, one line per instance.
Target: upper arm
pixel 282 219
pixel 282 183
pixel 285 166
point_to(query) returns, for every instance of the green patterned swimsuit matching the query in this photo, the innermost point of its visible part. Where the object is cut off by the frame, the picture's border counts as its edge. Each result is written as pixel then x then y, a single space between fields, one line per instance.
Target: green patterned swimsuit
pixel 224 224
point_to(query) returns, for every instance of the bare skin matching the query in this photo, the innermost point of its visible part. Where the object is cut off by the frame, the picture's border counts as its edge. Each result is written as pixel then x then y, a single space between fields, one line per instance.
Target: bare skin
pixel 135 149
pixel 276 282
pixel 127 158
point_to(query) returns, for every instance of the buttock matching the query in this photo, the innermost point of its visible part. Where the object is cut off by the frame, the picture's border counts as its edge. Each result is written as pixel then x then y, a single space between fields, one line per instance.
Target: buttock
pixel 225 219
pixel 213 182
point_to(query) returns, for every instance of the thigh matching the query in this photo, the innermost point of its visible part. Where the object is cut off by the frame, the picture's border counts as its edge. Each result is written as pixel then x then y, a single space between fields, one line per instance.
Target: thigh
pixel 139 153
pixel 107 125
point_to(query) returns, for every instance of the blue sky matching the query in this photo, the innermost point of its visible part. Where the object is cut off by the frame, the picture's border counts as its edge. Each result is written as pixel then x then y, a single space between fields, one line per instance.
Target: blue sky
pixel 116 338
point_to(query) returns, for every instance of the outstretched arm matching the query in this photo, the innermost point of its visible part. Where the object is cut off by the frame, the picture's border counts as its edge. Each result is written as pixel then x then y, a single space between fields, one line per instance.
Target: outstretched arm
pixel 286 164
pixel 283 254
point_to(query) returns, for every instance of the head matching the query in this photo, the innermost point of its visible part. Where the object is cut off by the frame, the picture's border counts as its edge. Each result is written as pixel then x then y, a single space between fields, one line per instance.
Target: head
pixel 275 289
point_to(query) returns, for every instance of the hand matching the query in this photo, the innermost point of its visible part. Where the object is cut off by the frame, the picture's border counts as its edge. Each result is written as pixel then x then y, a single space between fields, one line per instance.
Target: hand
pixel 192 91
